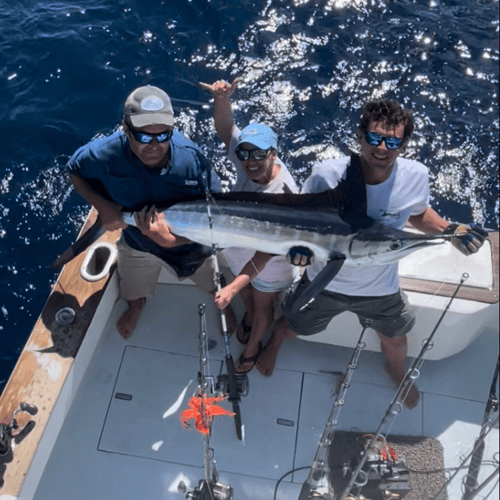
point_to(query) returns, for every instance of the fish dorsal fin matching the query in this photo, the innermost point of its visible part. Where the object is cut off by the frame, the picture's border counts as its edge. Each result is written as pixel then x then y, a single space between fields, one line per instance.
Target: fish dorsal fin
pixel 326 200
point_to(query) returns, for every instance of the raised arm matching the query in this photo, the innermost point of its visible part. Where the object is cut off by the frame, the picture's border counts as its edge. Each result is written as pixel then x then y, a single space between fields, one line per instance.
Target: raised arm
pixel 223 116
pixel 109 212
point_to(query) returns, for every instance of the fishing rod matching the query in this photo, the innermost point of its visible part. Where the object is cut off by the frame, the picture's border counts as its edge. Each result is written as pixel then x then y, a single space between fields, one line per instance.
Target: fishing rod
pixel 477 457
pixel 396 405
pixel 471 486
pixel 208 488
pixel 318 484
pixel 490 425
pixel 235 384
pixel 480 487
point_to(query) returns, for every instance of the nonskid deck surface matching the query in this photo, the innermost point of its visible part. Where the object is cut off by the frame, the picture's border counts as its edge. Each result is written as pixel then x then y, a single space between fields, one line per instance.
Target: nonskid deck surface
pixel 133 446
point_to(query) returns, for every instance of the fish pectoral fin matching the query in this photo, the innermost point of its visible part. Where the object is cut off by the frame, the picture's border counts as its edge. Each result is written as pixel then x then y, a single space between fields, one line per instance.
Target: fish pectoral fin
pixel 319 283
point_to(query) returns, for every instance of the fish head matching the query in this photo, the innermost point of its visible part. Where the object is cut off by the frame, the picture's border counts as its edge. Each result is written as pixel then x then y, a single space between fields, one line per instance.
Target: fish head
pixel 382 245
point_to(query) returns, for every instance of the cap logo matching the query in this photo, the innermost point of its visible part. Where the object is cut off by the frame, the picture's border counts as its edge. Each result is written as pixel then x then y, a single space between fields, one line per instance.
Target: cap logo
pixel 152 103
pixel 251 131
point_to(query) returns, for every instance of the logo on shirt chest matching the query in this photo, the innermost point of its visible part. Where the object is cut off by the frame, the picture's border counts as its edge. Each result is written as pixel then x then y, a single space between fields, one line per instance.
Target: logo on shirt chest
pixel 388 215
pixel 191 183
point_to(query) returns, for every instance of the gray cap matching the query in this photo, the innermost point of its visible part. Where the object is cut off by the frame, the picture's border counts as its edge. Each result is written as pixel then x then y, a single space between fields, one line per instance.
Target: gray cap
pixel 149 106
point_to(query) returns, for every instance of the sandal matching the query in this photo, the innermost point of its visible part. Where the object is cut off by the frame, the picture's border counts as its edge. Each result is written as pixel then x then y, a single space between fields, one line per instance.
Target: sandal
pixel 252 359
pixel 247 331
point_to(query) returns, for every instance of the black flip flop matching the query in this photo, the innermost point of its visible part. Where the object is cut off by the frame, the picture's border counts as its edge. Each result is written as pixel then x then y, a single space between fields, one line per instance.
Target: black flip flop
pixel 252 359
pixel 247 330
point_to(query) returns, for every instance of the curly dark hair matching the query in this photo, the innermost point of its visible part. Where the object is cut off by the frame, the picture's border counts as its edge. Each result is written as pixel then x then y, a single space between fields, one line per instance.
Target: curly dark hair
pixel 387 111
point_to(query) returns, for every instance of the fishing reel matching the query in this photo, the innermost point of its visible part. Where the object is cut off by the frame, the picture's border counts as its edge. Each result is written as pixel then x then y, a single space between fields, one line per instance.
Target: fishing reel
pixel 6 435
pixel 207 491
pixel 383 476
pixel 242 384
pixel 222 385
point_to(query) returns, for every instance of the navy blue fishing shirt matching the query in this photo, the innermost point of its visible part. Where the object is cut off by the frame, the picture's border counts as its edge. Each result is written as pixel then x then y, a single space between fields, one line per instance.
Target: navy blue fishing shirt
pixel 111 169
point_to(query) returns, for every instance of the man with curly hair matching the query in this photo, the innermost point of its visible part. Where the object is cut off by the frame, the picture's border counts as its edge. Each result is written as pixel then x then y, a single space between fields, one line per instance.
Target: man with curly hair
pixel 389 189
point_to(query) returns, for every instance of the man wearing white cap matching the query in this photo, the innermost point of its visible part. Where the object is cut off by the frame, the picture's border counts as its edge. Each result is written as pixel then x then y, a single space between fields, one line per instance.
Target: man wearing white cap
pixel 253 151
pixel 146 162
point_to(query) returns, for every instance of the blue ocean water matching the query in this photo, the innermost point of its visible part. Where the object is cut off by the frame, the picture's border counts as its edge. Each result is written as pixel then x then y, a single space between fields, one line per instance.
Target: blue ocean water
pixel 305 67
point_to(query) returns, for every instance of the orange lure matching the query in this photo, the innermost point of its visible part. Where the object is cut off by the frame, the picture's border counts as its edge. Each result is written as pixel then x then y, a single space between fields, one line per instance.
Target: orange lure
pixel 203 419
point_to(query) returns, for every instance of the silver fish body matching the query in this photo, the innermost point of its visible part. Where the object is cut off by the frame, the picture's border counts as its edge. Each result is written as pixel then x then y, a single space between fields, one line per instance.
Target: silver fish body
pixel 275 229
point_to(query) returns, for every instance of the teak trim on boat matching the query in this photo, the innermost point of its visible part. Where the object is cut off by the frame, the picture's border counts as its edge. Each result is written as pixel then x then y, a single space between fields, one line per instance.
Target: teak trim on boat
pixel 45 362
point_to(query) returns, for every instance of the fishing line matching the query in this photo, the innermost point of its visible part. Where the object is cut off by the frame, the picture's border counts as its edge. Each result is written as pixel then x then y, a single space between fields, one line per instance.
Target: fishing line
pixel 396 404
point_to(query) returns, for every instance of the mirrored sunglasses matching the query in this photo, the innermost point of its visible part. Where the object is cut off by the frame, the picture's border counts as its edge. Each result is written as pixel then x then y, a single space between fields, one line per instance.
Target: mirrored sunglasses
pixel 390 142
pixel 256 154
pixel 147 138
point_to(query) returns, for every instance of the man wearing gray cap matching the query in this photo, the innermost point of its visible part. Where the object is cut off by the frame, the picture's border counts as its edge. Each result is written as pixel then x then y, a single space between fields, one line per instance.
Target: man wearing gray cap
pixel 146 162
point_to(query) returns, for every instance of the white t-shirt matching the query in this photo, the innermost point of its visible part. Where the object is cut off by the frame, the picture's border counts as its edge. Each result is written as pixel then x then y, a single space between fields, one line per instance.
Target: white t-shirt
pixel 404 194
pixel 277 269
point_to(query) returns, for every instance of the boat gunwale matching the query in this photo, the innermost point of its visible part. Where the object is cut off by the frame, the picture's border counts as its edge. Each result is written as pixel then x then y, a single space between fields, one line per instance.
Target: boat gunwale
pixel 32 376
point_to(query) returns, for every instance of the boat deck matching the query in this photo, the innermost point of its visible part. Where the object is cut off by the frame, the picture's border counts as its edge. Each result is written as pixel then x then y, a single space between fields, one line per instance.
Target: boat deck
pixel 132 447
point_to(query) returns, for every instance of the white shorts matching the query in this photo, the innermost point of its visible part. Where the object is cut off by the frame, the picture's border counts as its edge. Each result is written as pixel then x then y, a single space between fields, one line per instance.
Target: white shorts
pixel 278 275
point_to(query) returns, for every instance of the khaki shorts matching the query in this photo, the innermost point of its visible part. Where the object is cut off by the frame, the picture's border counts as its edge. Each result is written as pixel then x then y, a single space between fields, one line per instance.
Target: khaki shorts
pixel 391 315
pixel 138 272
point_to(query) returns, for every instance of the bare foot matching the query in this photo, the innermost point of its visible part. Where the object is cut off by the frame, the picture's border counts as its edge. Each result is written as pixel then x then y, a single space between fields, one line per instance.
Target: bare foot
pixel 128 321
pixel 412 397
pixel 267 359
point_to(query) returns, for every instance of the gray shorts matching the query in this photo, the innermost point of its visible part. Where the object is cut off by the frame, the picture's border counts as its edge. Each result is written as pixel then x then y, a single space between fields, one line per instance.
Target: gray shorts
pixel 391 315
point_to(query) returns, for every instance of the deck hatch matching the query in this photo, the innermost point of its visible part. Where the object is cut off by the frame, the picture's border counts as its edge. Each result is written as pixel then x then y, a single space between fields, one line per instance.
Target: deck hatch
pixel 153 388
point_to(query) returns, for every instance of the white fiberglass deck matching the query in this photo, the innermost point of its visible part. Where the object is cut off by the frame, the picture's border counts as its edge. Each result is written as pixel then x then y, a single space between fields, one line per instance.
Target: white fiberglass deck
pixel 111 448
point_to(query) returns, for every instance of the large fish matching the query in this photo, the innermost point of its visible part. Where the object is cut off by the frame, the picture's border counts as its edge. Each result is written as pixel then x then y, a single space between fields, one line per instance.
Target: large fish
pixel 274 223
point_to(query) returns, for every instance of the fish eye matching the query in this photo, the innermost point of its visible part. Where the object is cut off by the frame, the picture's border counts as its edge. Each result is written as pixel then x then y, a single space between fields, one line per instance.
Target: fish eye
pixel 397 245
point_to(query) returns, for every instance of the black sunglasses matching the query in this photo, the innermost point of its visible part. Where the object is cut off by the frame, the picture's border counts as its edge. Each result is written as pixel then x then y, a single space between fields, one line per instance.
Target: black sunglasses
pixel 147 138
pixel 256 154
pixel 390 142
